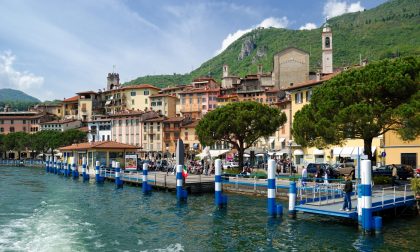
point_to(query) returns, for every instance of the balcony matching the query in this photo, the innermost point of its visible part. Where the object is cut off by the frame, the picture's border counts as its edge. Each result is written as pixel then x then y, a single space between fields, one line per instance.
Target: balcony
pixel 167 129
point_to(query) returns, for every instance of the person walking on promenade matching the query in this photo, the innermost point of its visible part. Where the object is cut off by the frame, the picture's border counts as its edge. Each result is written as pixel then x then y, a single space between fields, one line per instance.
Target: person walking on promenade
pixel 394 176
pixel 304 176
pixel 348 189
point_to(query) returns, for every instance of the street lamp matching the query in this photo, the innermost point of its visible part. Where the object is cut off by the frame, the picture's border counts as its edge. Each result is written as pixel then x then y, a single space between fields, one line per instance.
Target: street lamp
pixel 290 156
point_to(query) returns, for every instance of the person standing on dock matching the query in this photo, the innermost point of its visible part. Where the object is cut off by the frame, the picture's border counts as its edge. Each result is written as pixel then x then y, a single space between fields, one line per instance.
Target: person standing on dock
pixel 394 176
pixel 348 189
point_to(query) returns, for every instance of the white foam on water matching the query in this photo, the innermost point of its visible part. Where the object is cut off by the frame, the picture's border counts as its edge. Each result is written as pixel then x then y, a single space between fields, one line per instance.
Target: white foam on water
pixel 177 247
pixel 46 229
pixel 139 242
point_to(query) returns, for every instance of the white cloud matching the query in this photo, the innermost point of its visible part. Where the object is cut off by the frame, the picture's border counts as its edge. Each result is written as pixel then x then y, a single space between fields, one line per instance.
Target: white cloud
pixel 333 8
pixel 266 23
pixel 308 26
pixel 12 78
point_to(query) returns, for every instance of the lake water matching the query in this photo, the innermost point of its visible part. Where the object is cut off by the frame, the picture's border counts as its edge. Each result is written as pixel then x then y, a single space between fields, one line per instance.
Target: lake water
pixel 46 212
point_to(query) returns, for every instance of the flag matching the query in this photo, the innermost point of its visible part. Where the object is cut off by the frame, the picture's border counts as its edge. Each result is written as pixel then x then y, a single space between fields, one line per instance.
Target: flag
pixel 185 172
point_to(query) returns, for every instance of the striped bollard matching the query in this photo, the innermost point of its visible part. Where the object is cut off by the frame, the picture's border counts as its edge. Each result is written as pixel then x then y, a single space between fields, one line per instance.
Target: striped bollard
pixel 292 199
pixel 55 166
pixel 359 204
pixel 219 199
pixel 272 207
pixel 85 176
pixel 59 165
pixel 46 165
pixel 181 194
pixel 118 180
pixel 75 173
pixel 145 186
pixel 98 177
pixel 366 182
pixel 50 166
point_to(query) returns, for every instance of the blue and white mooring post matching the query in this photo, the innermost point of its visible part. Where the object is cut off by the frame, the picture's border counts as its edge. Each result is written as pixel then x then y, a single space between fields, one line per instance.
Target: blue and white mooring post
pixel 98 177
pixel 118 180
pixel 59 164
pixel 219 199
pixel 74 169
pixel 272 208
pixel 47 169
pixel 181 194
pixel 146 188
pixel 84 174
pixel 55 165
pixel 51 165
pixel 292 199
pixel 366 184
pixel 69 168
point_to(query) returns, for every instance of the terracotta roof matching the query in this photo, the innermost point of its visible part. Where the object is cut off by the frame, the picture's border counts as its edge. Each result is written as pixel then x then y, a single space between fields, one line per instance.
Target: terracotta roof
pixel 98 145
pixel 72 99
pixel 191 125
pixel 200 90
pixel 86 92
pixel 158 119
pixel 128 113
pixel 175 119
pixel 162 95
pixel 311 82
pixel 84 129
pixel 59 121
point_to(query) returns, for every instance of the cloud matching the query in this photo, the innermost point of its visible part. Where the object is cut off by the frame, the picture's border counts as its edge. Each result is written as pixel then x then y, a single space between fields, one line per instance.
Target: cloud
pixel 308 26
pixel 333 8
pixel 12 78
pixel 266 23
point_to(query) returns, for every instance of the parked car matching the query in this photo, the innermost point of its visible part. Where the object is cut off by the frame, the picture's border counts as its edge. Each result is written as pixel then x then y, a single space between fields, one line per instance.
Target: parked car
pixel 417 173
pixel 313 168
pixel 229 165
pixel 345 169
pixel 403 171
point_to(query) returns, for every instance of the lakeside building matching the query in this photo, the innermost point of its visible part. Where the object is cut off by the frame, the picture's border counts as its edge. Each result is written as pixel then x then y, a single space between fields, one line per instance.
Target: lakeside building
pixel 190 138
pixel 70 108
pixel 172 132
pixel 99 129
pixel 61 125
pixel 53 109
pixel 89 104
pixel 153 137
pixel 104 152
pixel 397 151
pixel 164 104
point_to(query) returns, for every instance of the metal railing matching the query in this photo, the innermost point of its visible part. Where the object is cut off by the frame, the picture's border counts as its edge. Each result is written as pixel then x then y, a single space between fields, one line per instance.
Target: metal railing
pixel 26 162
pixel 394 195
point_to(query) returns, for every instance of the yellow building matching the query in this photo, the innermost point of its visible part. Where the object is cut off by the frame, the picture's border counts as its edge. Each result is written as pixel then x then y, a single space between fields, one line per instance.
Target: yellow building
pixel 190 139
pixel 88 105
pixel 397 151
pixel 135 97
pixel 164 104
pixel 70 107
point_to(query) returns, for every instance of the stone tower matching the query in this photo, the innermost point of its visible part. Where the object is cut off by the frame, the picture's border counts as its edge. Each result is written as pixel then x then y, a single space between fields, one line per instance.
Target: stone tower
pixel 225 71
pixel 327 50
pixel 113 81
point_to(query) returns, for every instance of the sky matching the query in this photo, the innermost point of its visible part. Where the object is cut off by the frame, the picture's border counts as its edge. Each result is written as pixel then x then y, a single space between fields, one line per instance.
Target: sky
pixel 52 49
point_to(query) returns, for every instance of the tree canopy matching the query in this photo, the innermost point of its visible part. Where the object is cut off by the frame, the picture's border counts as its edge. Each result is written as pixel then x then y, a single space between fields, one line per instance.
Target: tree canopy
pixel 240 124
pixel 363 103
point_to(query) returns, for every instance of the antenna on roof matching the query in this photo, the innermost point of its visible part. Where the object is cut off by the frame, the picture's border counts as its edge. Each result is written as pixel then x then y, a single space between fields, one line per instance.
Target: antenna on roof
pixel 113 68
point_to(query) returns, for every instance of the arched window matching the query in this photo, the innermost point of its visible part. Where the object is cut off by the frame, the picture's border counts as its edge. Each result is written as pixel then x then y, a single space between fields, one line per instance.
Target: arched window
pixel 327 42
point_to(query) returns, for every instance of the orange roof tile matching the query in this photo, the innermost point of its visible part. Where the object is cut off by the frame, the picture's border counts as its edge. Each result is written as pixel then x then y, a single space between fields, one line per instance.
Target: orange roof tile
pixel 311 82
pixel 99 145
pixel 72 99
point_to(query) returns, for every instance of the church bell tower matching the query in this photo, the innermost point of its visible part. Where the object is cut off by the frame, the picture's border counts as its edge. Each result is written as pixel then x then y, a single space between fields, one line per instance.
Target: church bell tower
pixel 327 50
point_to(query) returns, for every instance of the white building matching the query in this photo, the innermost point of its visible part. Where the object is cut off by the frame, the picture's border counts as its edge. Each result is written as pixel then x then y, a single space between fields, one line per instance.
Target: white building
pixel 61 125
pixel 99 130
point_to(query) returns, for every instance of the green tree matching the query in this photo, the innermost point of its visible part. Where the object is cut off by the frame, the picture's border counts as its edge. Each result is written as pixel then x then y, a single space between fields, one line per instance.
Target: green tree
pixel 239 124
pixel 363 103
pixel 16 141
pixel 2 146
pixel 72 136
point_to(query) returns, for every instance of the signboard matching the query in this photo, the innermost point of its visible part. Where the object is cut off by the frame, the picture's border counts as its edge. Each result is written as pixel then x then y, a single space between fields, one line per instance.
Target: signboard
pixel 131 162
pixel 383 154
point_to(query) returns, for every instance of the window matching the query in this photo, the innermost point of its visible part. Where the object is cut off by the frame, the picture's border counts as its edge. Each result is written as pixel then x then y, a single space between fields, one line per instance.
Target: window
pixel 153 104
pixel 1 122
pixel 203 100
pixel 108 138
pixel 157 137
pixel 327 42
pixel 182 101
pixel 159 103
pixel 144 137
pixel 204 106
pixel 133 93
pixel 308 95
pixel 12 129
pixel 186 135
pixel 145 101
pixel 298 97
pixel 191 100
pixel 409 159
pixel 1 129
pixel 103 137
pixel 137 122
pixel 24 121
pixel 11 121
pixel 120 122
pixel 146 92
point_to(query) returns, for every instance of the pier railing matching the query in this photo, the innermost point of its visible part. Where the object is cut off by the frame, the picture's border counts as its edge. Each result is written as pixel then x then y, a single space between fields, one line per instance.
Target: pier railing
pixel 394 195
pixel 26 162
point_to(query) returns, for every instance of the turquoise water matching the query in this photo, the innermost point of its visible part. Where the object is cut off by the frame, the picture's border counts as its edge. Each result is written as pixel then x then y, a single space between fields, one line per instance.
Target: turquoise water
pixel 46 212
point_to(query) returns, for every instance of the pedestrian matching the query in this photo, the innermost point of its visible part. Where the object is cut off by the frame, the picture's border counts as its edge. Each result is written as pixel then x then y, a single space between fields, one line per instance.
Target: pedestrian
pixel 304 175
pixel 348 189
pixel 394 175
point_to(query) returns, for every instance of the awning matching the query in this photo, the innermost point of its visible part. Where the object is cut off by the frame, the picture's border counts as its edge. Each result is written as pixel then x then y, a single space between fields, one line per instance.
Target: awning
pixel 357 150
pixel 216 153
pixel 260 155
pixel 298 152
pixel 346 151
pixel 271 153
pixel 271 140
pixel 246 155
pixel 107 103
pixel 280 153
pixel 282 139
pixel 319 152
pixel 337 151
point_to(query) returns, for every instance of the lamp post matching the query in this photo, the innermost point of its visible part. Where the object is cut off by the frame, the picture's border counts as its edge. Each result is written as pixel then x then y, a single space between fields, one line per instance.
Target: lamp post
pixel 290 156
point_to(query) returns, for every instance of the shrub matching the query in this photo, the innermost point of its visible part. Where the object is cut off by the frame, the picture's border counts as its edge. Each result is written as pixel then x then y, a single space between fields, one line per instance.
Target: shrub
pixel 415 186
pixel 381 180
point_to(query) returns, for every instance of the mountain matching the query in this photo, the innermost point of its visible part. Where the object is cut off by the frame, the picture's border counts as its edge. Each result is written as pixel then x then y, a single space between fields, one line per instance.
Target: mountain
pixel 16 99
pixel 389 30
